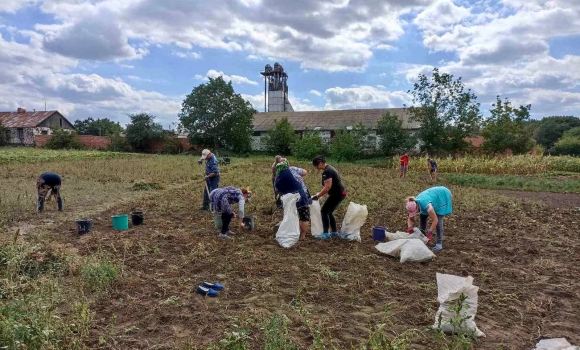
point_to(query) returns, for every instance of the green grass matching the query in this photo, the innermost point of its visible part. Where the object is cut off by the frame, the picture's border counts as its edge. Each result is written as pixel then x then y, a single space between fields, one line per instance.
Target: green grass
pixel 98 273
pixel 12 155
pixel 518 183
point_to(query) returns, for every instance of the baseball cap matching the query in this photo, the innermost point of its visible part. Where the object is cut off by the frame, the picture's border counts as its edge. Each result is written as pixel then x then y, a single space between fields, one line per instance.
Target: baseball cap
pixel 204 154
pixel 412 208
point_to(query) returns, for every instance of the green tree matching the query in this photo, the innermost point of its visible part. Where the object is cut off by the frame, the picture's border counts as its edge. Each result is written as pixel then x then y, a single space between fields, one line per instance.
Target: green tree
pixel 309 146
pixel 447 113
pixel 143 131
pixel 344 146
pixel 506 129
pixel 119 144
pixel 3 139
pixel 394 138
pixel 569 144
pixel 99 127
pixel 214 115
pixel 551 129
pixel 281 138
pixel 63 139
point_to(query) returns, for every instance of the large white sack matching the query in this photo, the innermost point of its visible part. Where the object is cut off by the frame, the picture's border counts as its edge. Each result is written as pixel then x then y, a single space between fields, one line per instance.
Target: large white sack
pixel 415 251
pixel 417 234
pixel 391 248
pixel 289 231
pixel 354 219
pixel 554 344
pixel 316 219
pixel 449 289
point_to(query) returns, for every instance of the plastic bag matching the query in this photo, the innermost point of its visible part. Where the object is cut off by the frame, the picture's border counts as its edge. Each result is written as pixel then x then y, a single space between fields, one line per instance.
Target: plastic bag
pixel 355 218
pixel 554 344
pixel 417 234
pixel 410 250
pixel 449 290
pixel 316 219
pixel 289 231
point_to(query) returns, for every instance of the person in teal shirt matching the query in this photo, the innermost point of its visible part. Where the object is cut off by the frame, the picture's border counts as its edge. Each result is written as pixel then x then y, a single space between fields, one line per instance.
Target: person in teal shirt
pixel 434 203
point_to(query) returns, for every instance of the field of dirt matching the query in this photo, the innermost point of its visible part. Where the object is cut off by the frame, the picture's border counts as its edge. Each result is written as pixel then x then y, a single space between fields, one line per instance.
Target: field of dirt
pixel 524 257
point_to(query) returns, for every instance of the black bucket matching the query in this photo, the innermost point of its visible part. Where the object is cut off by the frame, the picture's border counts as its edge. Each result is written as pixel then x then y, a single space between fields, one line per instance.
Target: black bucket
pixel 249 222
pixel 84 226
pixel 137 218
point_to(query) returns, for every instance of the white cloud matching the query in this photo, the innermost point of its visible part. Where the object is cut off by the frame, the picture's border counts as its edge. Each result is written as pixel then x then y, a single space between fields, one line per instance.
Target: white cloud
pixel 383 47
pixel 440 16
pixel 236 79
pixel 186 54
pixel 316 93
pixel 255 58
pixel 364 97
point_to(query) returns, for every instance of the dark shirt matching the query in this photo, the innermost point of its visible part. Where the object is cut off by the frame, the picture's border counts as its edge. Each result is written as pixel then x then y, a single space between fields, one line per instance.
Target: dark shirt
pixel 211 166
pixel 432 164
pixel 337 187
pixel 286 183
pixel 51 179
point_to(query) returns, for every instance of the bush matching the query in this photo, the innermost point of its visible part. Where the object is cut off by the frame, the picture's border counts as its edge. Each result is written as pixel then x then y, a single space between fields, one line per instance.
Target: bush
pixel 119 144
pixel 64 139
pixel 3 140
pixel 344 146
pixel 172 145
pixel 569 144
pixel 309 146
pixel 280 138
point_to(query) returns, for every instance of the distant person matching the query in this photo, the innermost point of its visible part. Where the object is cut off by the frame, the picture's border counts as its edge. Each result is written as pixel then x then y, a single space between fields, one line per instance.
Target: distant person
pixel 212 175
pixel 434 203
pixel 432 165
pixel 290 181
pixel 221 200
pixel 332 185
pixel 48 184
pixel 404 166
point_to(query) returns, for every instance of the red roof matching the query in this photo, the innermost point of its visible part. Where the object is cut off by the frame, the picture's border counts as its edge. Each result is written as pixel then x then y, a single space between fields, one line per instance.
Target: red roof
pixel 23 119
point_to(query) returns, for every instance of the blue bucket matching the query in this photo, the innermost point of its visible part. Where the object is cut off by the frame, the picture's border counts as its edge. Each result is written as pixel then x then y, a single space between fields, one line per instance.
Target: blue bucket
pixel 379 233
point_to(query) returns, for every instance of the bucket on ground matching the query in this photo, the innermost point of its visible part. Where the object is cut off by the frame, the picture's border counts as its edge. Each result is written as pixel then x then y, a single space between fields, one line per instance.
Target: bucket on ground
pixel 137 218
pixel 249 222
pixel 379 233
pixel 120 222
pixel 84 226
pixel 217 221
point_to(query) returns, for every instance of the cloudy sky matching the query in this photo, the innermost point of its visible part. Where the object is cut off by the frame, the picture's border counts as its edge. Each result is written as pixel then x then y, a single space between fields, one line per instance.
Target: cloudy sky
pixel 108 58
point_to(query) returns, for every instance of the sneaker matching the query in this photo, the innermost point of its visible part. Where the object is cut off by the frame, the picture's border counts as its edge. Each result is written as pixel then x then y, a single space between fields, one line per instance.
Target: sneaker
pixel 206 291
pixel 231 233
pixel 214 286
pixel 224 236
pixel 334 235
pixel 437 247
pixel 325 235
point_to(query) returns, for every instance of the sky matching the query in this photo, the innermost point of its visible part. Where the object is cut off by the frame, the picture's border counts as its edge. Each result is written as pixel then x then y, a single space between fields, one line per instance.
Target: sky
pixel 110 58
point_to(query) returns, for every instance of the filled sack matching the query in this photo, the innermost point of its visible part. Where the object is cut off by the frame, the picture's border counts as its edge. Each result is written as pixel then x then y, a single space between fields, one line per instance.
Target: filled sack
pixel 554 344
pixel 409 250
pixel 449 290
pixel 417 234
pixel 354 219
pixel 316 219
pixel 289 231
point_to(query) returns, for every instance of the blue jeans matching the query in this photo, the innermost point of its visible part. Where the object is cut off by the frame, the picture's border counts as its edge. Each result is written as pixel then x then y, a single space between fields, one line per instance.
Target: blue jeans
pixel 439 228
pixel 212 184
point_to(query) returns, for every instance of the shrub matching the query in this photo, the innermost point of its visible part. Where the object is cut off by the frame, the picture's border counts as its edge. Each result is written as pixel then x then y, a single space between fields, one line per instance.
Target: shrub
pixel 64 139
pixel 119 144
pixel 3 139
pixel 569 144
pixel 343 146
pixel 172 145
pixel 309 146
pixel 280 138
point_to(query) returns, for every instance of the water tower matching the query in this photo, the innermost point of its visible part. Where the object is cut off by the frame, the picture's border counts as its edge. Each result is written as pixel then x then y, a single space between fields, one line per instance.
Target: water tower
pixel 276 89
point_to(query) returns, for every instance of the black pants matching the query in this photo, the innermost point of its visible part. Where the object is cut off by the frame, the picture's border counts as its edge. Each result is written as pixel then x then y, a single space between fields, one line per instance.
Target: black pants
pixel 226 219
pixel 439 227
pixel 42 196
pixel 328 220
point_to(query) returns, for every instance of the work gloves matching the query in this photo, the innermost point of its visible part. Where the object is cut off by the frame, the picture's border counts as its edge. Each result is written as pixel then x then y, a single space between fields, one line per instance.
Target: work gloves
pixel 314 198
pixel 199 162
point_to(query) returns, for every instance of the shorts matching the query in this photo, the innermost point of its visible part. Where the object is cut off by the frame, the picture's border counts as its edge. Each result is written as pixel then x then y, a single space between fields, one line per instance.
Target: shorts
pixel 304 213
pixel 403 168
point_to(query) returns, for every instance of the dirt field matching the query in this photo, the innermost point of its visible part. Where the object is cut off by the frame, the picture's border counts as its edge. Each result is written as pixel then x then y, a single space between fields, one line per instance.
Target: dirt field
pixel 524 256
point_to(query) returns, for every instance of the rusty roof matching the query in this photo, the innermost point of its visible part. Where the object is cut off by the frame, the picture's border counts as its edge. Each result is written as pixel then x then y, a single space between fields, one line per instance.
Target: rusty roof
pixel 24 119
pixel 331 120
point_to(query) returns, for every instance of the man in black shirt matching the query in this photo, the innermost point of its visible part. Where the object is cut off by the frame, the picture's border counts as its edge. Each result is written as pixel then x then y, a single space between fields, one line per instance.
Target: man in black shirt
pixel 336 193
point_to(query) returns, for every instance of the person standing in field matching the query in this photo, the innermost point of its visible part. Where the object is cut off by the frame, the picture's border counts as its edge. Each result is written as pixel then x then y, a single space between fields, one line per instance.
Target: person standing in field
pixel 404 166
pixel 48 184
pixel 432 165
pixel 290 181
pixel 221 200
pixel 277 160
pixel 332 185
pixel 434 203
pixel 212 175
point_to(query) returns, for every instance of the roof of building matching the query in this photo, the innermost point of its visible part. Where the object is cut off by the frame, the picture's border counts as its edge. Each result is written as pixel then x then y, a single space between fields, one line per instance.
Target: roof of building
pixel 24 119
pixel 331 120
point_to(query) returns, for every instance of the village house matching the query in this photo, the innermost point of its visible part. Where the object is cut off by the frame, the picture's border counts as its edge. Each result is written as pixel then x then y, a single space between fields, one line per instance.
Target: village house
pixel 21 126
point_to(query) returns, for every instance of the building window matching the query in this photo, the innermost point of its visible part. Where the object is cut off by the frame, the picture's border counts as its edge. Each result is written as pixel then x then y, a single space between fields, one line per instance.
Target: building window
pixel 44 132
pixel 256 133
pixel 21 134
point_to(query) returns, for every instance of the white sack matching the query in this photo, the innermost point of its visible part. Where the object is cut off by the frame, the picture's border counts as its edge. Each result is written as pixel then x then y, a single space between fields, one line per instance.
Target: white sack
pixel 449 289
pixel 316 219
pixel 554 344
pixel 417 234
pixel 410 250
pixel 391 248
pixel 354 219
pixel 289 231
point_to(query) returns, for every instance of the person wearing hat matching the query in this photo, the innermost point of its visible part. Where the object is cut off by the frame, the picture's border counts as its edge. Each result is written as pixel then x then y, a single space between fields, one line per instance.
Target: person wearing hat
pixel 212 175
pixel 434 203
pixel 286 182
pixel 48 184
pixel 221 200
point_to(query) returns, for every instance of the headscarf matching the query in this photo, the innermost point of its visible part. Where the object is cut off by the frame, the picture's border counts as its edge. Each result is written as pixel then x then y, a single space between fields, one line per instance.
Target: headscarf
pixel 280 167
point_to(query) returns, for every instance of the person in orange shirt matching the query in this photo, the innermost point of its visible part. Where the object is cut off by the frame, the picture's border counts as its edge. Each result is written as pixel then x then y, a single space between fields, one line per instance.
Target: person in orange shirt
pixel 404 165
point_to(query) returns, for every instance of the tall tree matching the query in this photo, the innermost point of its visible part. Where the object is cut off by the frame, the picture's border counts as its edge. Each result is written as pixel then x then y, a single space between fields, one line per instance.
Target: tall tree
pixel 214 115
pixel 447 112
pixel 551 129
pixel 506 129
pixel 143 131
pixel 394 138
pixel 99 127
pixel 281 138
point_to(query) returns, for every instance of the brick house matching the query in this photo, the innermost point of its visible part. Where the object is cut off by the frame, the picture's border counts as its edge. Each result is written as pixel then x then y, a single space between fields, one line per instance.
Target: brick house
pixel 21 126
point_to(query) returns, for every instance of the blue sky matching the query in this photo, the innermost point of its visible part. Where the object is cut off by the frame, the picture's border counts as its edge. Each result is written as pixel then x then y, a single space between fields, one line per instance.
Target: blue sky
pixel 109 58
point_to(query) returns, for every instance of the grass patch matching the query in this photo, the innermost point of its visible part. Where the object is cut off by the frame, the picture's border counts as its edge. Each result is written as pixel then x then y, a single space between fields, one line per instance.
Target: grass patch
pixel 14 155
pixel 147 186
pixel 518 183
pixel 98 273
pixel 276 334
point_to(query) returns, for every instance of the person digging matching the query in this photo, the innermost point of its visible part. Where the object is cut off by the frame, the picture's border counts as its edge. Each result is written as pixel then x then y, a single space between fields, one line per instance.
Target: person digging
pixel 221 200
pixel 212 175
pixel 286 183
pixel 48 184
pixel 434 203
